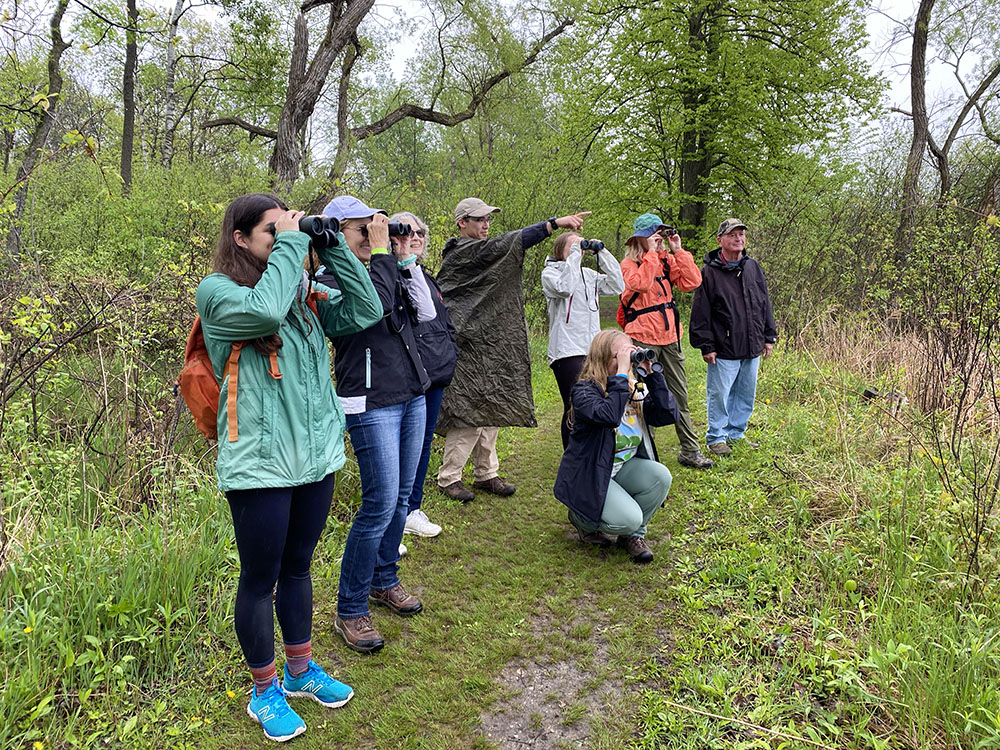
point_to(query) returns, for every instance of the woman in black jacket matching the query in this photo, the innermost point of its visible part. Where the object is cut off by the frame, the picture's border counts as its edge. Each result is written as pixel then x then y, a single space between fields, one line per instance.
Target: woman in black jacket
pixel 610 477
pixel 380 384
pixel 438 352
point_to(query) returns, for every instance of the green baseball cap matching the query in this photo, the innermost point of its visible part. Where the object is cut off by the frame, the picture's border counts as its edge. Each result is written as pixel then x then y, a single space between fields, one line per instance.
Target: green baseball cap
pixel 647 225
pixel 729 225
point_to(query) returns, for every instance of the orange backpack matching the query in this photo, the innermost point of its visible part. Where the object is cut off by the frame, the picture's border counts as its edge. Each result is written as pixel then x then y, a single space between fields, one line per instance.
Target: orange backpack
pixel 200 389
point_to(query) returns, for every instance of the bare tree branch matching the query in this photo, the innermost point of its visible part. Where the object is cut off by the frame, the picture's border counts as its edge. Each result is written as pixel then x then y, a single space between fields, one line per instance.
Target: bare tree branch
pixel 241 123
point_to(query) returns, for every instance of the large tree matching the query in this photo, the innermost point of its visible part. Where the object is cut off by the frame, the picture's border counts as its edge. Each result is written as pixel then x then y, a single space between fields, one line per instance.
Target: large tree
pixel 703 99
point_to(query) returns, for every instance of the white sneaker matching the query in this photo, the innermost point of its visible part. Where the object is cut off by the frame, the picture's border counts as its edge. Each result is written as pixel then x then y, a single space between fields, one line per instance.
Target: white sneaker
pixel 402 549
pixel 418 523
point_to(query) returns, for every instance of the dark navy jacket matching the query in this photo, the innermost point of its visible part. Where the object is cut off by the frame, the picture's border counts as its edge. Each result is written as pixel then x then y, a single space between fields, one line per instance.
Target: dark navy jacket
pixel 380 366
pixel 585 469
pixel 731 312
pixel 436 340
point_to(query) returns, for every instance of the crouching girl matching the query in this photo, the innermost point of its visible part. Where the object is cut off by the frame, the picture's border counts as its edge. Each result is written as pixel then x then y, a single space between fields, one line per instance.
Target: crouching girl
pixel 610 477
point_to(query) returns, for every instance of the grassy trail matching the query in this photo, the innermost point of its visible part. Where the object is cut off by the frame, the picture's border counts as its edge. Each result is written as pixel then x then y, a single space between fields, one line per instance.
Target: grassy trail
pixel 529 639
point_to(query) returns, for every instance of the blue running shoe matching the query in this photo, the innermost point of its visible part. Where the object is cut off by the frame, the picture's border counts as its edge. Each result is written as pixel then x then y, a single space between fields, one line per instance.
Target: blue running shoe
pixel 316 684
pixel 271 709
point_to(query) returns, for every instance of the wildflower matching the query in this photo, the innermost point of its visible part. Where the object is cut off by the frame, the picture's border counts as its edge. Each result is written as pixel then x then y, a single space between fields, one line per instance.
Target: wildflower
pixel 230 694
pixel 767 400
pixel 28 629
pixel 38 746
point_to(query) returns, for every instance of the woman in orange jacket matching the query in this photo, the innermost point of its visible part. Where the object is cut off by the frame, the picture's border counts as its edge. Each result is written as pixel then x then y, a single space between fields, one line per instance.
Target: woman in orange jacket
pixel 651 271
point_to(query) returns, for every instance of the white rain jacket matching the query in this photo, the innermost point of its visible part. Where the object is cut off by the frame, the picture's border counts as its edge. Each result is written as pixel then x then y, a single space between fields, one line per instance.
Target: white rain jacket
pixel 572 295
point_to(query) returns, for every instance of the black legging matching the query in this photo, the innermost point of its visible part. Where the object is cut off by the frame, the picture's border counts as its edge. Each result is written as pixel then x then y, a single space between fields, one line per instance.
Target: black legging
pixel 566 370
pixel 276 532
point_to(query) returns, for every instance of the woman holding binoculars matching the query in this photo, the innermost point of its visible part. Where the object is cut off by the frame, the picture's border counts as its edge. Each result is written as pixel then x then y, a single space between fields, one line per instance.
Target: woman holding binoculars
pixel 651 318
pixel 610 476
pixel 278 449
pixel 380 384
pixel 572 294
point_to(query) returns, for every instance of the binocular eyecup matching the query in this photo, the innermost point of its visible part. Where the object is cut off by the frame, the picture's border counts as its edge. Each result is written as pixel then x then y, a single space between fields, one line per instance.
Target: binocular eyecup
pixel 594 246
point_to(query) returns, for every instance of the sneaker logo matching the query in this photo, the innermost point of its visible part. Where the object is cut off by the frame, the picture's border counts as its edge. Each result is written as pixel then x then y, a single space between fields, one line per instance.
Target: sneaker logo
pixel 265 714
pixel 312 687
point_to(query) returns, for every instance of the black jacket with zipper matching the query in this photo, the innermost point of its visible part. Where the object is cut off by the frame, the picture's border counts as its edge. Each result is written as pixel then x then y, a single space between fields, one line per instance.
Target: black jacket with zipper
pixel 436 340
pixel 731 312
pixel 380 364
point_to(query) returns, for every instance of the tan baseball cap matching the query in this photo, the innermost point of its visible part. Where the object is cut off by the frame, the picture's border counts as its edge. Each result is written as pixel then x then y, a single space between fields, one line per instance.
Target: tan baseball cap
pixel 729 225
pixel 473 207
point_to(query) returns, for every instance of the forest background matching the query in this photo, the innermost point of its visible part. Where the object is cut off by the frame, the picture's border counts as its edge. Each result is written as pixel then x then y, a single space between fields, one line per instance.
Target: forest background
pixel 126 128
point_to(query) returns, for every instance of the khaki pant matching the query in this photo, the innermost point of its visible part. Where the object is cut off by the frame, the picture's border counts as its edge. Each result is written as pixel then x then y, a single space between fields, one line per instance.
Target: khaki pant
pixel 671 356
pixel 462 442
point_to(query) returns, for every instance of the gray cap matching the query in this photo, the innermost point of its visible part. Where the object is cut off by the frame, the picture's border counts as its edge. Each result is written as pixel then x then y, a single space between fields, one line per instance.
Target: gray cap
pixel 473 207
pixel 729 225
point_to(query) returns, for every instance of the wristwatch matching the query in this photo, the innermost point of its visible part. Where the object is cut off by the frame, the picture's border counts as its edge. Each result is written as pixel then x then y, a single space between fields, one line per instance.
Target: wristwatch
pixel 552 223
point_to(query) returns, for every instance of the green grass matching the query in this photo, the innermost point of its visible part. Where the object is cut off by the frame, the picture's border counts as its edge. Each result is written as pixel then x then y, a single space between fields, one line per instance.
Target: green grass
pixel 809 588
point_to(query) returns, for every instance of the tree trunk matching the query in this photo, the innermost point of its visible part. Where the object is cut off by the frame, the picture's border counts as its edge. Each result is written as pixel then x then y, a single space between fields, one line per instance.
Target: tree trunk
pixel 42 128
pixel 170 93
pixel 128 96
pixel 921 130
pixel 305 86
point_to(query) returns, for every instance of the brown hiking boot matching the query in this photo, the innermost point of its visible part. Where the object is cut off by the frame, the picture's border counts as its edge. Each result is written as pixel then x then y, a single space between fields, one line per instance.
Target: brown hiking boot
pixel 359 633
pixel 694 459
pixel 637 549
pixel 595 537
pixel 457 491
pixel 397 600
pixel 495 486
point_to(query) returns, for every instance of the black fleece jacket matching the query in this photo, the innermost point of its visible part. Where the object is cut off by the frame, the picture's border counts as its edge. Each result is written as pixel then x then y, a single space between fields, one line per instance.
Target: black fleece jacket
pixel 731 313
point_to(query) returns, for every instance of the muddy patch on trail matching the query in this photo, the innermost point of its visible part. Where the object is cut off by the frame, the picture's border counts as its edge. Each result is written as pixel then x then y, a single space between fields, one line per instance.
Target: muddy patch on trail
pixel 550 700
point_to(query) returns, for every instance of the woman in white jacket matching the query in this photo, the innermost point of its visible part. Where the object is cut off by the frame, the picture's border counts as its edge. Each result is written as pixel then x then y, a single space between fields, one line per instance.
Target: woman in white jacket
pixel 572 294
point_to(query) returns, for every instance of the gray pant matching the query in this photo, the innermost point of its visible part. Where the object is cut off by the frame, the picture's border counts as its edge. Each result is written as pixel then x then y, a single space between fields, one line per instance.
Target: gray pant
pixel 671 356
pixel 638 489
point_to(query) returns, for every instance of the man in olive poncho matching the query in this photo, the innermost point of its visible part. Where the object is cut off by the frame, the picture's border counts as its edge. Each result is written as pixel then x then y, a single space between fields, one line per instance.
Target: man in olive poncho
pixel 481 282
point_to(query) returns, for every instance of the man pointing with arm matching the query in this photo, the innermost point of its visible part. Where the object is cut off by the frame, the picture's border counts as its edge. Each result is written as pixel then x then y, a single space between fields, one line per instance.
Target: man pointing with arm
pixel 481 283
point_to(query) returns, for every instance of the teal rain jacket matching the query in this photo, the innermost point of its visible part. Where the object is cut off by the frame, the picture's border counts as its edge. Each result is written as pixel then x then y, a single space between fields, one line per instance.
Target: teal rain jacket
pixel 291 430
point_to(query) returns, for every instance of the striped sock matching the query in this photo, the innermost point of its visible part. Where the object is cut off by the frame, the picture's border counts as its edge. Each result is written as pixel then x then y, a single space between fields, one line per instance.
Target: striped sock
pixel 297 657
pixel 262 676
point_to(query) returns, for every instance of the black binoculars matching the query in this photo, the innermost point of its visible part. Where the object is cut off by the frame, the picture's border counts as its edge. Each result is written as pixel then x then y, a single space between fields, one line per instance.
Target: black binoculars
pixel 399 229
pixel 644 362
pixel 322 230
pixel 594 246
pixel 668 231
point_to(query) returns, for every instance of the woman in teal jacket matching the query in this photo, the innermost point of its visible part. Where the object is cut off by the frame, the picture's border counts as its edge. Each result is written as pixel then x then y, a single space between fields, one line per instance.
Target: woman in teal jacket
pixel 281 438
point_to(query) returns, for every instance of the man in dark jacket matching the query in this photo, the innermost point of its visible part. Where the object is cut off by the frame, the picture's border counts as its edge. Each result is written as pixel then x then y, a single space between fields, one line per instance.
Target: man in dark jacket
pixel 481 282
pixel 732 323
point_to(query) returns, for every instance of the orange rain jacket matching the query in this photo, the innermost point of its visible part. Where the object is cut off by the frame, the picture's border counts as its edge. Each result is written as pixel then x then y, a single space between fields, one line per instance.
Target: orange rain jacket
pixel 650 282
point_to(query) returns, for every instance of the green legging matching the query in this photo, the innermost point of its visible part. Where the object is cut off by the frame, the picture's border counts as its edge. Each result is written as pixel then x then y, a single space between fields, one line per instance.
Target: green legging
pixel 637 490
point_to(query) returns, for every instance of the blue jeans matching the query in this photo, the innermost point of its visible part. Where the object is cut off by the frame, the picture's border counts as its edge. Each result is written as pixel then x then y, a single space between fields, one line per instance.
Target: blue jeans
pixel 386 445
pixel 433 398
pixel 731 388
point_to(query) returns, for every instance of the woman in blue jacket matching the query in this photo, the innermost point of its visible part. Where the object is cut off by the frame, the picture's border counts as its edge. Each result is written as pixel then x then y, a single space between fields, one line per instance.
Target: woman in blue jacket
pixel 610 477
pixel 277 451
pixel 380 384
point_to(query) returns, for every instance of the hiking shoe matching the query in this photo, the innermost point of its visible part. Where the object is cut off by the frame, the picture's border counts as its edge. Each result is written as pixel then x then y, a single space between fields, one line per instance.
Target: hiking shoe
pixel 402 549
pixel 721 448
pixel 418 523
pixel 316 684
pixel 495 486
pixel 457 491
pixel 595 537
pixel 359 633
pixel 397 600
pixel 637 549
pixel 694 459
pixel 271 709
